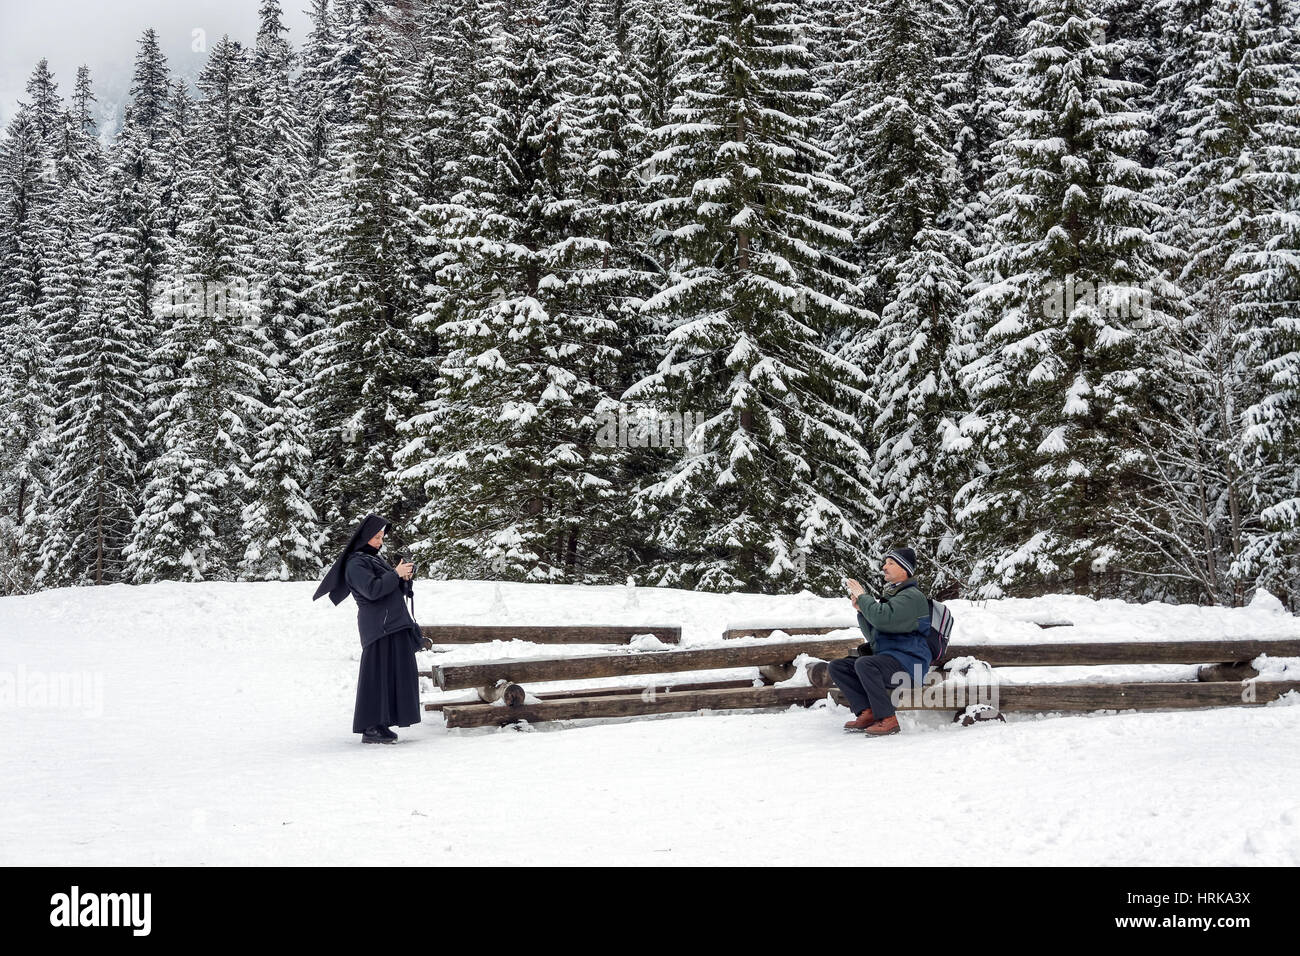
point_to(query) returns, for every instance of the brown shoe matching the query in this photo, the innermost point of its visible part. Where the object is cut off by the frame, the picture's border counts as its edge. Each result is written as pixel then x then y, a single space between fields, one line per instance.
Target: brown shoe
pixel 862 721
pixel 883 728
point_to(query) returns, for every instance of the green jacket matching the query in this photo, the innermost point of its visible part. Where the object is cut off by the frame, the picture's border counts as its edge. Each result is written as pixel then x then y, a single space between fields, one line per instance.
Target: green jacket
pixel 897 625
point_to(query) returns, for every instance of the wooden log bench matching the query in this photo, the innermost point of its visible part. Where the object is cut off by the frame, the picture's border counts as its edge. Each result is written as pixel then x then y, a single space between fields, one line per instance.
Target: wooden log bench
pixel 547 634
pixel 775 656
pixel 795 630
pixel 1219 660
pixel 514 694
pixel 504 679
pixel 1137 695
pixel 626 704
pixel 778 656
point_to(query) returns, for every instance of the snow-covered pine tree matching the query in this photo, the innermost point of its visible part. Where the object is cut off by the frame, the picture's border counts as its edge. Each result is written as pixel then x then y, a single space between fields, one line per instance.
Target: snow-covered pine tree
pixel 131 253
pixel 653 61
pixel 830 34
pixel 83 95
pixel 172 192
pixel 574 23
pixel 313 86
pixel 66 280
pixel 923 455
pixel 1176 43
pixel 1269 277
pixel 777 496
pixel 1073 309
pixel 975 80
pixel 367 375
pixel 1189 528
pixel 1205 503
pixel 894 133
pixel 28 192
pixel 43 103
pixel 205 417
pixel 830 26
pixel 180 176
pixel 96 386
pixel 608 267
pixel 339 32
pixel 1138 25
pixel 277 147
pixel 507 451
pixel 167 545
pixel 655 39
pixel 620 19
pixel 140 197
pixel 78 166
pixel 460 37
pixel 282 530
pixel 280 525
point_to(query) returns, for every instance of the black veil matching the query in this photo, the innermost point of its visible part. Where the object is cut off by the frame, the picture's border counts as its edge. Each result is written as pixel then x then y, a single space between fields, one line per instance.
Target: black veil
pixel 335 582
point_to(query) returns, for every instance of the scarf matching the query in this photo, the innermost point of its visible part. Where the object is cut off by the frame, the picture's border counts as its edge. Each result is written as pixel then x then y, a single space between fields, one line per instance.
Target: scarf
pixel 889 590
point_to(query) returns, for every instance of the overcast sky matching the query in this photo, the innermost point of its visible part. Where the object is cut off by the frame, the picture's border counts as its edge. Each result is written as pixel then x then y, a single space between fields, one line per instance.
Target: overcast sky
pixel 104 35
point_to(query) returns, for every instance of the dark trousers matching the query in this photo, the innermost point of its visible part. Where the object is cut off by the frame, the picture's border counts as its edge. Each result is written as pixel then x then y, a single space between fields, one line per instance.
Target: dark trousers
pixel 867 681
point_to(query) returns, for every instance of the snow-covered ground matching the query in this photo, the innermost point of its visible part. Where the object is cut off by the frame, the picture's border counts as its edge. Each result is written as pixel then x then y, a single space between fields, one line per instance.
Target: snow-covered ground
pixel 211 724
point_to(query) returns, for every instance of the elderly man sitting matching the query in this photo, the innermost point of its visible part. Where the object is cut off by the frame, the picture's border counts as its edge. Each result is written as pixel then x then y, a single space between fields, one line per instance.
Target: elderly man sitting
pixel 896 650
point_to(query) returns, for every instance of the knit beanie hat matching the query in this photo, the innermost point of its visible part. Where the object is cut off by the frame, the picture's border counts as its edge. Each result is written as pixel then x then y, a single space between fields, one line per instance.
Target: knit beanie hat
pixel 906 557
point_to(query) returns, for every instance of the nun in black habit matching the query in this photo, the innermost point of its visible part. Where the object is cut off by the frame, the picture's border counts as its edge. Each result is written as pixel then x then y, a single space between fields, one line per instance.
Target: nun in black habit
pixel 388 686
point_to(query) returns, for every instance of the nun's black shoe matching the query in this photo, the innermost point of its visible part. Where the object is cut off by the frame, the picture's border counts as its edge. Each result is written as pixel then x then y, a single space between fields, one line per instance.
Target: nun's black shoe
pixel 386 732
pixel 373 736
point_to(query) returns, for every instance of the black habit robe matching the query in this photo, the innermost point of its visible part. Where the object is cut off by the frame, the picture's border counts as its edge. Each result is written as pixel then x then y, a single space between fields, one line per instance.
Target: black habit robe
pixel 388 685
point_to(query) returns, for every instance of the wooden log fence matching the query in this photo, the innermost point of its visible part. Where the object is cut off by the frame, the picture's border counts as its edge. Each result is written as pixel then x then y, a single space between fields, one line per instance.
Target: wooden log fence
pixel 795 630
pixel 1082 653
pixel 657 688
pixel 1222 680
pixel 1137 695
pixel 547 634
pixel 533 670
